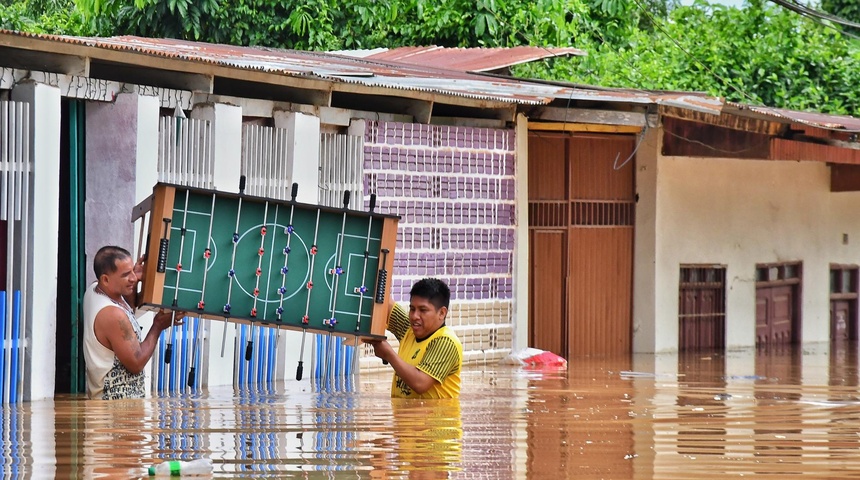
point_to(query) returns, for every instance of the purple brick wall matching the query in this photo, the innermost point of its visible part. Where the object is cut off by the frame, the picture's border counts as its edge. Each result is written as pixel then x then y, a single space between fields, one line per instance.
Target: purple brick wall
pixel 454 189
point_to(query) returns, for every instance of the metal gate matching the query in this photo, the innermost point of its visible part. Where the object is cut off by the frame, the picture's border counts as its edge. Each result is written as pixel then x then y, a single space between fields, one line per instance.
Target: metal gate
pixel 15 237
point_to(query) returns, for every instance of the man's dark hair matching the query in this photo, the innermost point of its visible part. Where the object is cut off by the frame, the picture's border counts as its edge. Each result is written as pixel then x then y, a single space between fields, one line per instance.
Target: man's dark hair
pixel 434 290
pixel 106 258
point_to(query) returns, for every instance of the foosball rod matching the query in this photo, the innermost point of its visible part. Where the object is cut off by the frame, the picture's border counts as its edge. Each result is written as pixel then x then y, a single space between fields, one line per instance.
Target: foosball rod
pixel 192 372
pixel 207 253
pixel 310 286
pixel 232 272
pixel 249 350
pixel 285 268
pixel 168 352
pixel 363 288
pixel 336 271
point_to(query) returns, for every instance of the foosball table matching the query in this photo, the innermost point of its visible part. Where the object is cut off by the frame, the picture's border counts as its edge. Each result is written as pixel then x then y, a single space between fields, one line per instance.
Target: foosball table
pixel 266 262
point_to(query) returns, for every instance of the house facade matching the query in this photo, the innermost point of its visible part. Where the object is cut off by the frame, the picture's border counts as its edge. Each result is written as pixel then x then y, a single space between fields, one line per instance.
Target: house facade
pixel 582 221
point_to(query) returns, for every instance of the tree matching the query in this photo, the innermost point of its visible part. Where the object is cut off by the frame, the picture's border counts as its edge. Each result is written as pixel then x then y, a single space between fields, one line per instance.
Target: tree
pixel 845 9
pixel 758 54
pixel 42 16
pixel 761 54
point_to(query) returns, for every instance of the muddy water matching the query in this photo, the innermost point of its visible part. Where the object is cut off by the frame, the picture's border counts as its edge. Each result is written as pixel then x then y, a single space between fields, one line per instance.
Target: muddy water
pixel 780 413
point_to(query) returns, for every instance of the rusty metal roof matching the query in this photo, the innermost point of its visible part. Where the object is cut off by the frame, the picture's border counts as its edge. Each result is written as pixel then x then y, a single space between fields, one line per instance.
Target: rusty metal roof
pixel 814 119
pixel 341 68
pixel 376 73
pixel 325 66
pixel 464 59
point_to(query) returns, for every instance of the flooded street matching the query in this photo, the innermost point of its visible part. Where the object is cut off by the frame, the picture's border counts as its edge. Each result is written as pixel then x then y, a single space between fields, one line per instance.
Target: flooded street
pixel 779 413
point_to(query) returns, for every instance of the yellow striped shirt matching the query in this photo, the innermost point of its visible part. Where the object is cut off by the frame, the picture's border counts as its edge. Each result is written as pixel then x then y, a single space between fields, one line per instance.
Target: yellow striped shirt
pixel 440 356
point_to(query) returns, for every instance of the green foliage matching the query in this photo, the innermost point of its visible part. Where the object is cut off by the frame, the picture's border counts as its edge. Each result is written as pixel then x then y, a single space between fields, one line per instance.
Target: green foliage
pixel 757 54
pixel 42 16
pixel 760 54
pixel 846 9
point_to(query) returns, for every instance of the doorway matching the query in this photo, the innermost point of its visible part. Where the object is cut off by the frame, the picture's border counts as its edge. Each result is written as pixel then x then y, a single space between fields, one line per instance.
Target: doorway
pixel 581 217
pixel 777 304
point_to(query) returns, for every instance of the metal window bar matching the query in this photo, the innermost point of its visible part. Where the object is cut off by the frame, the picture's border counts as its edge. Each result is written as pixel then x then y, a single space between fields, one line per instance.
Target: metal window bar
pixel 341 167
pixel 15 212
pixel 186 153
pixel 265 162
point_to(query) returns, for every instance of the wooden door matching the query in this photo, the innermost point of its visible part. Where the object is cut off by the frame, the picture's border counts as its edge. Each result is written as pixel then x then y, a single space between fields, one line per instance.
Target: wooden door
pixel 581 207
pixel 775 315
pixel 702 307
pixel 547 301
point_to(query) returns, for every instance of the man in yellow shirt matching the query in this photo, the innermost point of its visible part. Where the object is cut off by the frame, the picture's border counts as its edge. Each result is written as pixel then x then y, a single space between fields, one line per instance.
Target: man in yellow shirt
pixel 430 357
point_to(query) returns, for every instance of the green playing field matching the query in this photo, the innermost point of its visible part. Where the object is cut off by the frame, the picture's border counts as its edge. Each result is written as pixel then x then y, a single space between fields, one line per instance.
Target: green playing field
pixel 272 262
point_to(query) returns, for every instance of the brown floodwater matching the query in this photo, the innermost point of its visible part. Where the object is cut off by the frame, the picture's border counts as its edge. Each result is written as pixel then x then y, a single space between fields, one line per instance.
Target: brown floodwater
pixel 781 413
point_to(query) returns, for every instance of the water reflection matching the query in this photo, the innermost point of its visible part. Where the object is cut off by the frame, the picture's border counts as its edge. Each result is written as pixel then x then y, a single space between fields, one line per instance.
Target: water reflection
pixel 782 412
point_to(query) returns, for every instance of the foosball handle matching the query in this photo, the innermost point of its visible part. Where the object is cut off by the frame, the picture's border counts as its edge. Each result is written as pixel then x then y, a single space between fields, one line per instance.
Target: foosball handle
pixel 168 353
pixel 191 377
pixel 241 185
pixel 163 243
pixel 382 278
pixel 294 192
pixel 299 371
pixel 249 350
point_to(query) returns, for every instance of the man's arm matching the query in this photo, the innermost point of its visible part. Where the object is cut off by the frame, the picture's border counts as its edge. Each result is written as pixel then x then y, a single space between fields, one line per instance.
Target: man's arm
pixel 417 380
pixel 115 332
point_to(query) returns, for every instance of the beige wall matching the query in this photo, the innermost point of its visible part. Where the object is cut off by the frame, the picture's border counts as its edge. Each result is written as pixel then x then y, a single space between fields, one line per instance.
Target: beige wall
pixel 737 213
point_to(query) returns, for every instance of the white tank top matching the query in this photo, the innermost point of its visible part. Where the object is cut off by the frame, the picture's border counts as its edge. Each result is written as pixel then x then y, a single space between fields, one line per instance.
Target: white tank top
pixel 107 378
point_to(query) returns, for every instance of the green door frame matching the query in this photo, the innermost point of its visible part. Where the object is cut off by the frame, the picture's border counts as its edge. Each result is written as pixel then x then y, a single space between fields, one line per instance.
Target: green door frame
pixel 77 245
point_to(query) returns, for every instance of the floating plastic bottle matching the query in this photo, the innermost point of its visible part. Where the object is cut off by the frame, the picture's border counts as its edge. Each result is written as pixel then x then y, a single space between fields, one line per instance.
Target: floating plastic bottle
pixel 182 468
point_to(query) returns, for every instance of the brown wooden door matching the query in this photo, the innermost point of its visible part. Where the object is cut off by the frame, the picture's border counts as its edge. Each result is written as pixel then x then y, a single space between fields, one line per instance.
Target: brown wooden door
pixel 581 204
pixel 774 315
pixel 702 323
pixel 547 301
pixel 702 307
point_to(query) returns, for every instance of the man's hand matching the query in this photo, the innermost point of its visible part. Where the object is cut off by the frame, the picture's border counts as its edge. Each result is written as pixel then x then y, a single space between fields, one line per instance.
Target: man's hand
pixel 415 378
pixel 164 319
pixel 382 349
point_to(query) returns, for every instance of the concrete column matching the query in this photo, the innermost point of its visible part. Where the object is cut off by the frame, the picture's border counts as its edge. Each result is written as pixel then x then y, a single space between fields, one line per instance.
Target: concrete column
pixel 304 152
pixel 227 127
pixel 146 168
pixel 645 282
pixel 42 248
pixel 521 248
pixel 303 158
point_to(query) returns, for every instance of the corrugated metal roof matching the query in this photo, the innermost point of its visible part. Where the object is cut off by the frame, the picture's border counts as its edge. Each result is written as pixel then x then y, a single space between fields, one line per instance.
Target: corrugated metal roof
pixel 326 66
pixel 465 59
pixel 814 119
pixel 339 68
pixel 414 77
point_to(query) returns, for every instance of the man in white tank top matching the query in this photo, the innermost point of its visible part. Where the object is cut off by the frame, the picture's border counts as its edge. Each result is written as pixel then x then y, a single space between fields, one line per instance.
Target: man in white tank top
pixel 114 349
